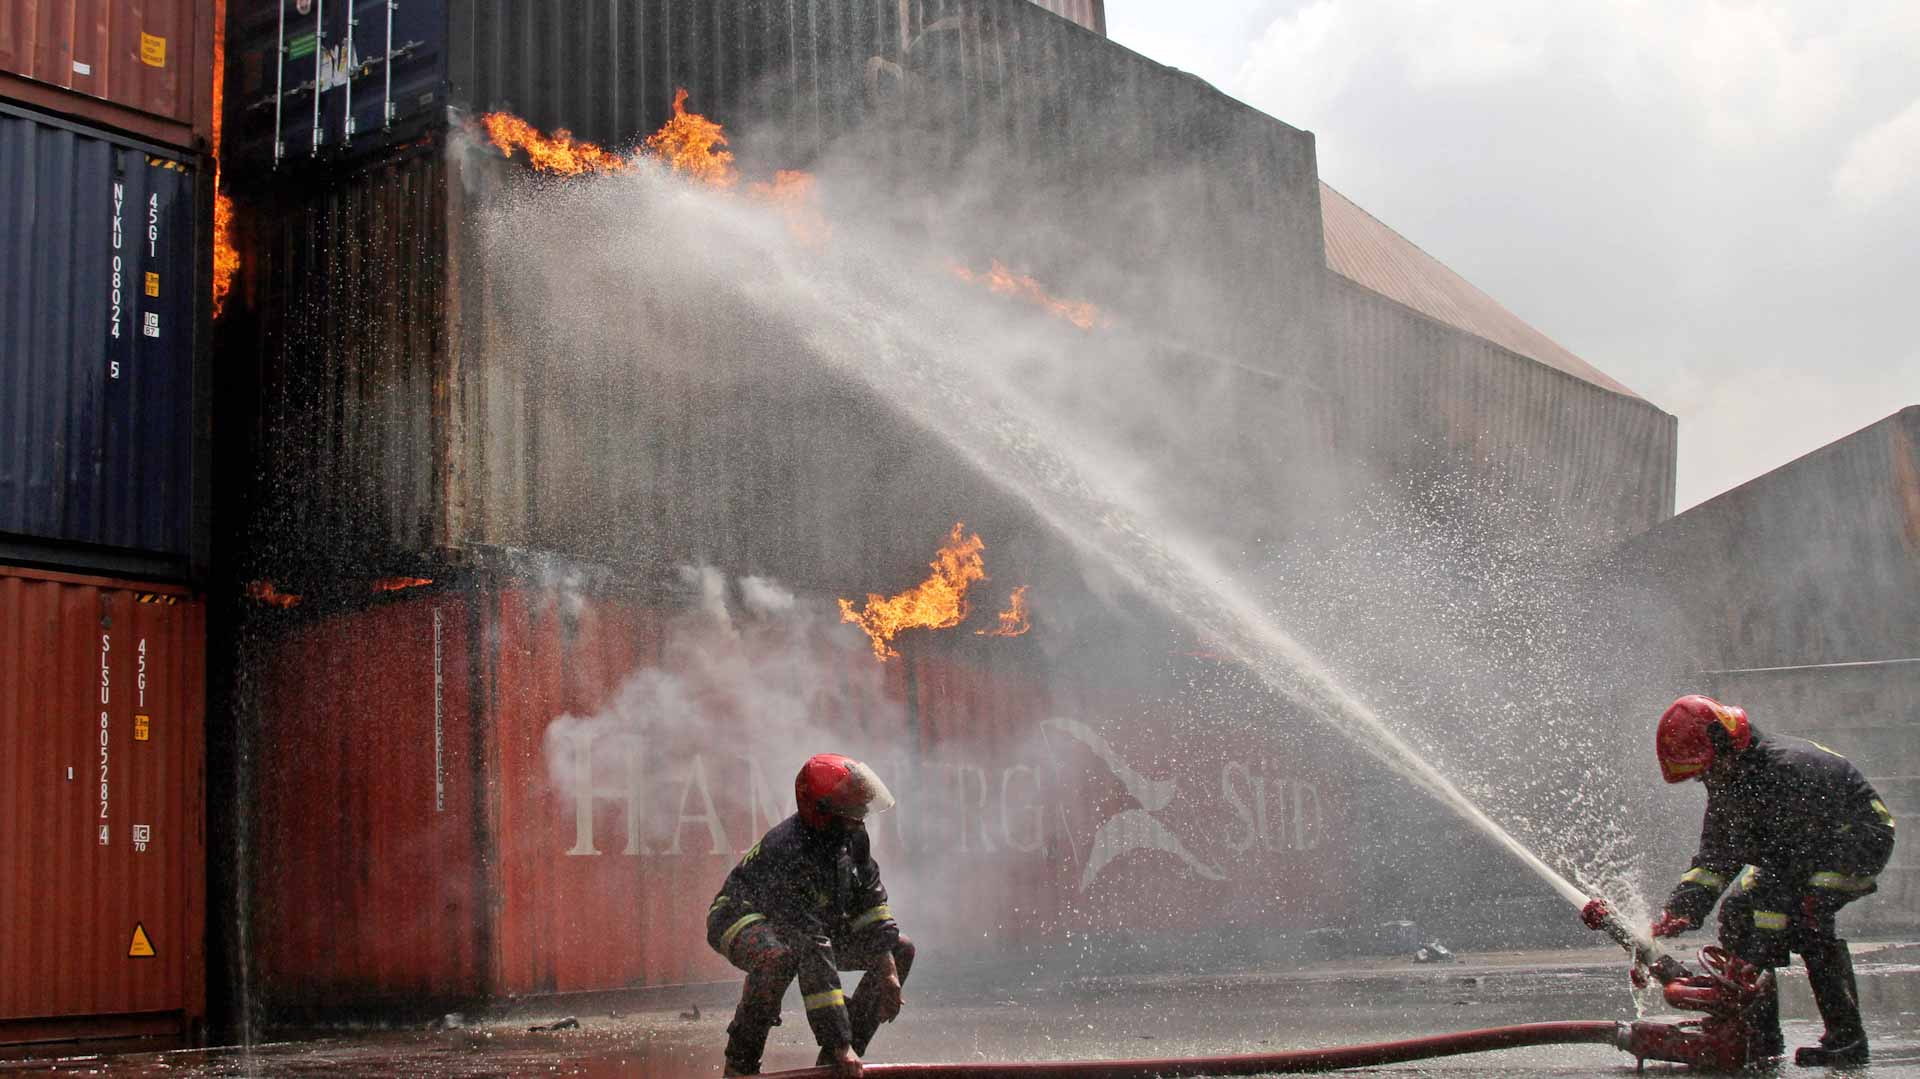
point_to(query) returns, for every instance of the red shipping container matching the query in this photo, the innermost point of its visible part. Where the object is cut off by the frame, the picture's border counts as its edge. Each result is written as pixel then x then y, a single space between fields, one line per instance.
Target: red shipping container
pixel 476 793
pixel 102 737
pixel 144 69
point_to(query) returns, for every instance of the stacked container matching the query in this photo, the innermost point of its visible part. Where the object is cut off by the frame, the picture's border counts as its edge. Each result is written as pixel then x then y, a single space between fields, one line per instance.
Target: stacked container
pixel 106 118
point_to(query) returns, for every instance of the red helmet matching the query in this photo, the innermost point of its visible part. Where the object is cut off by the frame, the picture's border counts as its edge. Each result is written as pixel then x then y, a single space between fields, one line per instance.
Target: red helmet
pixel 1684 742
pixel 830 785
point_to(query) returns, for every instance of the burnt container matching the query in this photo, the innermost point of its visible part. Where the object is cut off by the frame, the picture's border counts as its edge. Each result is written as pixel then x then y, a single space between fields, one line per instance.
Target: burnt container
pixel 102 885
pixel 144 69
pixel 103 416
pixel 1043 792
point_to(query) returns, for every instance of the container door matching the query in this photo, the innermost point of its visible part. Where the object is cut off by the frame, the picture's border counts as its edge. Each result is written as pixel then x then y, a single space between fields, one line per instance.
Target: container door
pixel 97 347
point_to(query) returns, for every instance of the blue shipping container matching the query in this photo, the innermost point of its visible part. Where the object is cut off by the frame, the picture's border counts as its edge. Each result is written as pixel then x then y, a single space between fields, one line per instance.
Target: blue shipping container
pixel 99 316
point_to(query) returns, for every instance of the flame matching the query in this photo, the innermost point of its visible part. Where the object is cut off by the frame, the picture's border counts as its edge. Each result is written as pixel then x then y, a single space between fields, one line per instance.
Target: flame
pixel 396 584
pixel 559 152
pixel 686 143
pixel 264 592
pixel 1013 620
pixel 939 602
pixel 793 191
pixel 1004 282
pixel 226 258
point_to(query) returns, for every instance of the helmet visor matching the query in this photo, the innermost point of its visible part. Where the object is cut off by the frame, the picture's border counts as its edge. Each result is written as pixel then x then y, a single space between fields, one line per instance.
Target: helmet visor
pixel 860 794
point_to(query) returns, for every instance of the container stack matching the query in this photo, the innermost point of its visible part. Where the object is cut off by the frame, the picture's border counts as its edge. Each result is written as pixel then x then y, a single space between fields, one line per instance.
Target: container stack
pixel 106 126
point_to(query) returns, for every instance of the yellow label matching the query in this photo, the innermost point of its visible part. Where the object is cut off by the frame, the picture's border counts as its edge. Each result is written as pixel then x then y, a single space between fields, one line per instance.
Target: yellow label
pixel 153 50
pixel 153 283
pixel 141 948
pixel 142 727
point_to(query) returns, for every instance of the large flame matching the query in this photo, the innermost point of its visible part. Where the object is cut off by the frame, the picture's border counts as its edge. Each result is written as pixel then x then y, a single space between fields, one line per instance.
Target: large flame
pixel 939 602
pixel 559 152
pixel 1013 620
pixel 1004 282
pixel 226 258
pixel 687 143
pixel 398 584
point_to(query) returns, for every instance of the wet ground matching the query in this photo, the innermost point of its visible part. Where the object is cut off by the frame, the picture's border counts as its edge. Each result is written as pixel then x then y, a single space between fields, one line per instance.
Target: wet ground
pixel 968 1018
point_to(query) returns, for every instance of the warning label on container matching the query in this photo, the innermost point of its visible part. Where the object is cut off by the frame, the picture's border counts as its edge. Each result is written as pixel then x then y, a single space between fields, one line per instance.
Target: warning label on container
pixel 141 948
pixel 142 727
pixel 153 283
pixel 153 50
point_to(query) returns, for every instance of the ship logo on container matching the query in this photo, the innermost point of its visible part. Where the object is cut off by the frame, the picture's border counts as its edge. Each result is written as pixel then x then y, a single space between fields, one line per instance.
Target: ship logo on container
pixel 1131 830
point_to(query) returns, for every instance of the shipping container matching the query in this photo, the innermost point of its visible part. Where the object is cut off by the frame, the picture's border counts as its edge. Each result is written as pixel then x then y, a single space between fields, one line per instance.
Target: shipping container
pixel 500 787
pixel 102 880
pixel 142 69
pixel 1064 134
pixel 103 410
pixel 1429 401
pixel 1091 14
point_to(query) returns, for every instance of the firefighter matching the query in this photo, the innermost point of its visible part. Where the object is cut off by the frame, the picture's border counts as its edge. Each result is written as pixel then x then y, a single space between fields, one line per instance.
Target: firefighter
pixel 1793 832
pixel 807 901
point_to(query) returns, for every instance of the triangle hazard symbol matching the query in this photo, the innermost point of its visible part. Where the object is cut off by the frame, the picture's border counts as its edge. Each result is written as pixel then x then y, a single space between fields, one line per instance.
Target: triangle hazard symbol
pixel 141 948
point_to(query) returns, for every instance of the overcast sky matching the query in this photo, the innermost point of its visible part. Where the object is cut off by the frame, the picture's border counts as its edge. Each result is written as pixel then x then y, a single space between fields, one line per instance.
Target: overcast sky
pixel 1717 203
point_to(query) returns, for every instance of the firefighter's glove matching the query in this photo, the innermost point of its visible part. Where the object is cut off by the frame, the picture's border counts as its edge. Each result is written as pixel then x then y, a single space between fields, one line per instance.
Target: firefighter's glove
pixel 1669 924
pixel 846 1063
pixel 1596 914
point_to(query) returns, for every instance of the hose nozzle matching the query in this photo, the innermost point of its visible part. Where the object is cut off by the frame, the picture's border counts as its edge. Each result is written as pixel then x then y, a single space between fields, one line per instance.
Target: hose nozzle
pixel 1599 915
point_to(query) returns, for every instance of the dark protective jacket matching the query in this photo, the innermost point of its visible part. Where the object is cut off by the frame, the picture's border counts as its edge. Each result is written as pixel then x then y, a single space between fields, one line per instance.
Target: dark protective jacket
pixel 815 888
pixel 1790 807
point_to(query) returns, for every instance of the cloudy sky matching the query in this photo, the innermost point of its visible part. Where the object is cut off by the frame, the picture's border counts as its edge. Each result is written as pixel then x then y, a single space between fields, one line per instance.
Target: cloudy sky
pixel 1715 201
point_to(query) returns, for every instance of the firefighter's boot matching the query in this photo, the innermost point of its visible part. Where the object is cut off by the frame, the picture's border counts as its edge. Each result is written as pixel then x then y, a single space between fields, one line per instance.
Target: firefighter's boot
pixel 1762 1017
pixel 1830 974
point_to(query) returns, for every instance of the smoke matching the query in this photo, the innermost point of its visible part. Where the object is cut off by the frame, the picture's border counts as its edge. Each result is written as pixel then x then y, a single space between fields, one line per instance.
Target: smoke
pixel 746 672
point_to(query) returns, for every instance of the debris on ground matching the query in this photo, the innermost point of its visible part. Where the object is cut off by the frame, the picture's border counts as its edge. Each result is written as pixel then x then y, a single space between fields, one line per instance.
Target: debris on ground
pixel 1434 952
pixel 694 1014
pixel 569 1023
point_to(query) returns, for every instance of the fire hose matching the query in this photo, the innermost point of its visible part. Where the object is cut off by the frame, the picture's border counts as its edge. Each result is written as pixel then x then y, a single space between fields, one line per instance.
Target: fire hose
pixel 1726 993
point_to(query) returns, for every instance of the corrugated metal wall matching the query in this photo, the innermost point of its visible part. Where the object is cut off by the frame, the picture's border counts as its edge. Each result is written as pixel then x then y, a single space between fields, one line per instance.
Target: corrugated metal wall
pixel 146 68
pixel 1432 403
pixel 456 866
pixel 1815 562
pixel 100 437
pixel 102 712
pixel 1091 14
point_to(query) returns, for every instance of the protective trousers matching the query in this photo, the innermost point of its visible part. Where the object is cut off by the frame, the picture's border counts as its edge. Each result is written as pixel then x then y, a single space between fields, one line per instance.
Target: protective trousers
pixel 771 965
pixel 1770 913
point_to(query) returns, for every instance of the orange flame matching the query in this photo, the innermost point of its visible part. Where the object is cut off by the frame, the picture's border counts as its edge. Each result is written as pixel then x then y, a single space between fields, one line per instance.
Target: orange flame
pixel 1013 620
pixel 264 592
pixel 396 584
pixel 1004 282
pixel 686 143
pixel 792 190
pixel 559 152
pixel 939 602
pixel 226 258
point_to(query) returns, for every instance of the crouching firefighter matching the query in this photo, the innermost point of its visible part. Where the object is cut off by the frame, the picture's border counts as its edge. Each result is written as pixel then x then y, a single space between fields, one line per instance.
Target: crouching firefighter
pixel 1793 832
pixel 806 901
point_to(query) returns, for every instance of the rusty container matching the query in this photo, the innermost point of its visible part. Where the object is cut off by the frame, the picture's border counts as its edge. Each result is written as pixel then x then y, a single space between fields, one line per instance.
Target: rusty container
pixel 102 885
pixel 535 784
pixel 142 69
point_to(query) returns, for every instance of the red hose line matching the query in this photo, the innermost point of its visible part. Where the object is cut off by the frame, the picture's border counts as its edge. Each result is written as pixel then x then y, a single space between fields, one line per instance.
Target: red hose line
pixel 1294 1061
